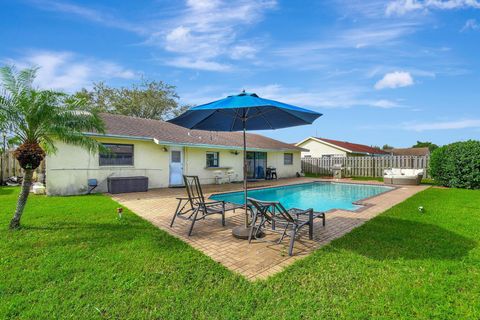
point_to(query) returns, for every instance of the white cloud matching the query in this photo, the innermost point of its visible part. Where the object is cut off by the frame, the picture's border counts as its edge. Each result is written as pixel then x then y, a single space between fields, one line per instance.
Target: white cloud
pixel 243 51
pixel 445 125
pixel 94 15
pixel 209 31
pixel 470 24
pixel 359 37
pixel 394 79
pixel 385 104
pixel 452 4
pixel 353 48
pixel 403 7
pixel 198 64
pixel 199 35
pixel 203 5
pixel 345 97
pixel 68 71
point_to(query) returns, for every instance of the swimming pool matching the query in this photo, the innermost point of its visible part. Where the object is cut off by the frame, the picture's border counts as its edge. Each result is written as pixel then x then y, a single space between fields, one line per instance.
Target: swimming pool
pixel 321 196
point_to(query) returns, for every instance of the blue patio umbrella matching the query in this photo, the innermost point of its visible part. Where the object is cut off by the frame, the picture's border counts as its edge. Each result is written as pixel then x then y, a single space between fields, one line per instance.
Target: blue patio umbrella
pixel 242 112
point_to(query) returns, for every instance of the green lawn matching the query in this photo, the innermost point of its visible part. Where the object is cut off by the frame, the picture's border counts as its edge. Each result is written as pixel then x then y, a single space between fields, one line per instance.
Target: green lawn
pixel 75 259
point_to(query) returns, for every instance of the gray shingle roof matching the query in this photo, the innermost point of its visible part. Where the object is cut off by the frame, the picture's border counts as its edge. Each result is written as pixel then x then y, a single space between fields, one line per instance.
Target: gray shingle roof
pixel 173 134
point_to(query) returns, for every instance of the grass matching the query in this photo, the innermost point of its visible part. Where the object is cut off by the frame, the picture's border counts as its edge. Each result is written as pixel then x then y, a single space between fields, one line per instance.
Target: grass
pixel 368 178
pixel 314 175
pixel 75 259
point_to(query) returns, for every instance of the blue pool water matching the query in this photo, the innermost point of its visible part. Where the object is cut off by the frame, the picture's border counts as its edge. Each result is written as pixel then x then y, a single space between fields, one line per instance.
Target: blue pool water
pixel 321 196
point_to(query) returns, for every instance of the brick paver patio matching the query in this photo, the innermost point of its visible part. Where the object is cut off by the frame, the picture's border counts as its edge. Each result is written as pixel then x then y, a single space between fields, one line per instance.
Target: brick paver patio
pixel 259 259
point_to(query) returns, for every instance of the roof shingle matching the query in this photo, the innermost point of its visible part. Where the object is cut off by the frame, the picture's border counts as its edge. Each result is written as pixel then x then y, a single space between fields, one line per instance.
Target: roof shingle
pixel 170 133
pixel 354 147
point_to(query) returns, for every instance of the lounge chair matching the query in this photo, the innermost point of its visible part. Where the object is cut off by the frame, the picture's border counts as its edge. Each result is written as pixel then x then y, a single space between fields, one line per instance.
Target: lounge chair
pixel 194 207
pixel 275 214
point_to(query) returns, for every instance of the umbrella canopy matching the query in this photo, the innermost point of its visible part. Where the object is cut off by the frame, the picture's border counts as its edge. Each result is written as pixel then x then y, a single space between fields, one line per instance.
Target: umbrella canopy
pixel 244 111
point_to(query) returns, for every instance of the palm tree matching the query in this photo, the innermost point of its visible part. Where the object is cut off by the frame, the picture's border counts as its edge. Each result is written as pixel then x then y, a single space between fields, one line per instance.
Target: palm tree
pixel 40 118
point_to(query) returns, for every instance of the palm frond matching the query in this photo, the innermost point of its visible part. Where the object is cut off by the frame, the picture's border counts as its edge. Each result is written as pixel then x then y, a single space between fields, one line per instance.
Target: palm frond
pixel 26 77
pixel 45 116
pixel 9 81
pixel 15 81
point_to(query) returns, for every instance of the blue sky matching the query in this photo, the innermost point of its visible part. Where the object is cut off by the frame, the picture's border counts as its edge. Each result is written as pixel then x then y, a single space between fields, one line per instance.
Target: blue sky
pixel 381 71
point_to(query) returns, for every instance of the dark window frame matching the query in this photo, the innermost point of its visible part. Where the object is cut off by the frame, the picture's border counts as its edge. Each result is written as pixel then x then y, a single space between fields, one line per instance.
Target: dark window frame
pixel 290 162
pixel 216 160
pixel 107 160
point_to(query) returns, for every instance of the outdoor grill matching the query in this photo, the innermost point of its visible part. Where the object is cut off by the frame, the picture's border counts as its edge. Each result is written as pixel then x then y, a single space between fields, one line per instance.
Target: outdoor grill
pixel 337 171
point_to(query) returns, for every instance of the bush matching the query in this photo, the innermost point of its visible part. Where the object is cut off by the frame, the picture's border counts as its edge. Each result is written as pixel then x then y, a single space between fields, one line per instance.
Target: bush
pixel 457 165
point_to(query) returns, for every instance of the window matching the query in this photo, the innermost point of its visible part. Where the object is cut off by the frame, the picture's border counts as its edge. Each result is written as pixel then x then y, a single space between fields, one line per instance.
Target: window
pixel 176 156
pixel 212 159
pixel 117 155
pixel 288 158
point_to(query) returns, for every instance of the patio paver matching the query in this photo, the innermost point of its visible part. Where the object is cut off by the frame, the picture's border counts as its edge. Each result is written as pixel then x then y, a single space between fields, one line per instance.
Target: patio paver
pixel 257 260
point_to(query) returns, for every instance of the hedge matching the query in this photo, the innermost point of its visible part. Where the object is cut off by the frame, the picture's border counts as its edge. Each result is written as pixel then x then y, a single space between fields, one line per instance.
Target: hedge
pixel 457 165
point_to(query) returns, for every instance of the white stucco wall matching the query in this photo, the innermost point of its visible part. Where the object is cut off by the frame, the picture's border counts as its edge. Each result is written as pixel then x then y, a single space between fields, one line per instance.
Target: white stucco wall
pixel 318 149
pixel 68 170
pixel 275 159
pixel 195 164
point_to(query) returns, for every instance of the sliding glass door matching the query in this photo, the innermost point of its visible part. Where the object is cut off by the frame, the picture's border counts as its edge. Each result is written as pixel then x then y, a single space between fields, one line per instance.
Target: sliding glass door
pixel 256 165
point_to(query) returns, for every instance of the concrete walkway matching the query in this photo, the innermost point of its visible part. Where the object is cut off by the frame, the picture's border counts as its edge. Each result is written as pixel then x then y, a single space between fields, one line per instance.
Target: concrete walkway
pixel 259 259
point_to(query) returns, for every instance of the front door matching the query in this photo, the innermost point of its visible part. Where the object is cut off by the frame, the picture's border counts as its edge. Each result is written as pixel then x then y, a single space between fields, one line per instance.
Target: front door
pixel 176 167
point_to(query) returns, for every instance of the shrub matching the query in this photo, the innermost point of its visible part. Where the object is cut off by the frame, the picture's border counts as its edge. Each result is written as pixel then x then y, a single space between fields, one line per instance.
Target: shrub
pixel 457 165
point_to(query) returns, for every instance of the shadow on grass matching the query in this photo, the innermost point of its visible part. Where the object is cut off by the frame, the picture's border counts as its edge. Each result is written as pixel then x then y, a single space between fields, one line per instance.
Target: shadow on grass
pixel 99 235
pixel 6 190
pixel 83 226
pixel 389 238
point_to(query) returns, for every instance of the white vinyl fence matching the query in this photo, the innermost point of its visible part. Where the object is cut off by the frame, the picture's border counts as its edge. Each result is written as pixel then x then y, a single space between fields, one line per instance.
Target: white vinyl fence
pixel 363 166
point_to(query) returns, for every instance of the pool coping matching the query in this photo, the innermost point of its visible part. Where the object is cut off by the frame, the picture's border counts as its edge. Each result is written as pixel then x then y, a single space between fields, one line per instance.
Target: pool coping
pixel 363 205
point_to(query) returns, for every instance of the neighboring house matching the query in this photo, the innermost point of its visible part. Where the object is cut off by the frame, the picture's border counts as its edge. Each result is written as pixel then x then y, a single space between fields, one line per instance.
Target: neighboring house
pixel 163 152
pixel 321 147
pixel 409 151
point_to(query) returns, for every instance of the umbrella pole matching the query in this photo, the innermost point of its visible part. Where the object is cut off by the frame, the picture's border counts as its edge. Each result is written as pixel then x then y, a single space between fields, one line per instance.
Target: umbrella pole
pixel 245 172
pixel 242 232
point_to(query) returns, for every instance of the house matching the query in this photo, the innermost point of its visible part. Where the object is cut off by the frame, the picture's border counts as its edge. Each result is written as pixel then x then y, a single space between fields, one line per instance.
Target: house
pixel 164 152
pixel 321 147
pixel 418 152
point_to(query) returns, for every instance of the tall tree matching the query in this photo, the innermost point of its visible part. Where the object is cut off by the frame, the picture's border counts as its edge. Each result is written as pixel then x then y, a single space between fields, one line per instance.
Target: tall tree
pixel 387 147
pixel 40 118
pixel 148 99
pixel 426 144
